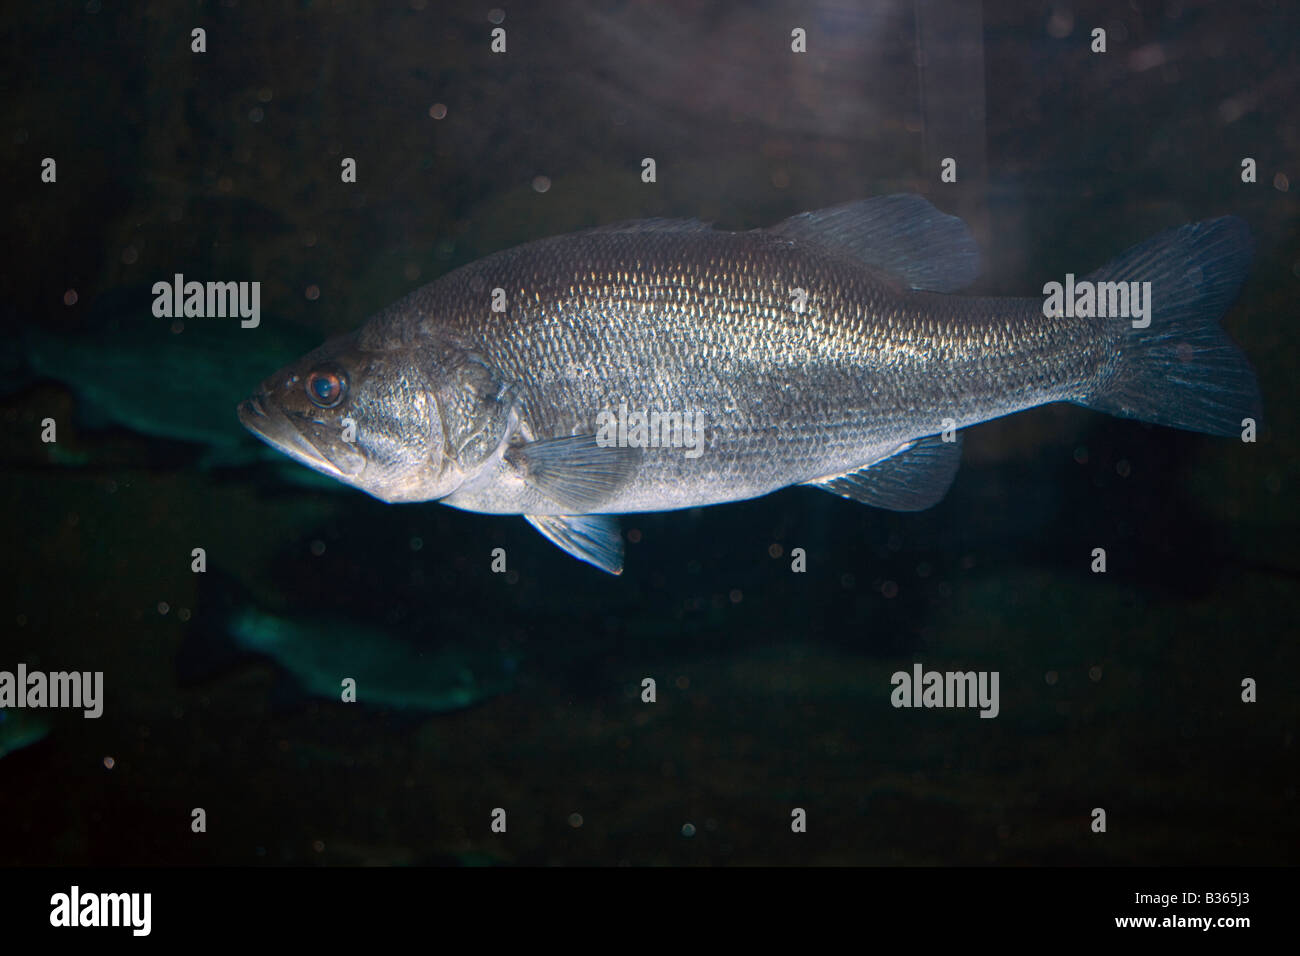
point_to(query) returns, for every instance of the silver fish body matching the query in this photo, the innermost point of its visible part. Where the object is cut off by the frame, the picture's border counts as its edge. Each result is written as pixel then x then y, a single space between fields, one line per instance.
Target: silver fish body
pixel 657 365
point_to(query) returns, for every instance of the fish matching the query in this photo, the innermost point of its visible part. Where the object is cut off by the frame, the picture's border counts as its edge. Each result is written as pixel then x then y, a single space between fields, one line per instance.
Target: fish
pixel 389 672
pixel 174 381
pixel 19 729
pixel 313 653
pixel 661 364
pixel 129 370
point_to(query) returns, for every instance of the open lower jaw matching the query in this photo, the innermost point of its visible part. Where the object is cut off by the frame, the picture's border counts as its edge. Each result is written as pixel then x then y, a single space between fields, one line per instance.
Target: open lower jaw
pixel 277 430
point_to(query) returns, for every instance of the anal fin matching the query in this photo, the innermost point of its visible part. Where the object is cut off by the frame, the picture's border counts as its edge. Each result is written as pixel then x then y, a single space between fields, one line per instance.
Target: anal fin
pixel 912 479
pixel 595 539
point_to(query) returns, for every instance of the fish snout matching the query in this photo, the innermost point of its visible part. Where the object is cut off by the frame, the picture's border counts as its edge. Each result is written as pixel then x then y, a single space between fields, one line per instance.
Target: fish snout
pixel 320 449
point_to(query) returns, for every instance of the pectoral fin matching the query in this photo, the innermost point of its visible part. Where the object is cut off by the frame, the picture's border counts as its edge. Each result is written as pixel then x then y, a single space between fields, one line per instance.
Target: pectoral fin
pixel 576 472
pixel 912 479
pixel 595 539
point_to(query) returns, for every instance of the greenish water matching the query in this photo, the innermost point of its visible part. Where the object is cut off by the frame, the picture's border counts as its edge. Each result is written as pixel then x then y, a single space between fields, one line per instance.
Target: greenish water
pixel 1120 691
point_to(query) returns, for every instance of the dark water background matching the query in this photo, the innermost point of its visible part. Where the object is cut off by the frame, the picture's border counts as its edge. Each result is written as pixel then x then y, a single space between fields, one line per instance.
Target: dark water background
pixel 1119 690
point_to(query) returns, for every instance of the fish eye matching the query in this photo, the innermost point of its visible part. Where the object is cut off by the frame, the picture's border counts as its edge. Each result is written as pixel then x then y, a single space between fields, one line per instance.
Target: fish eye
pixel 327 387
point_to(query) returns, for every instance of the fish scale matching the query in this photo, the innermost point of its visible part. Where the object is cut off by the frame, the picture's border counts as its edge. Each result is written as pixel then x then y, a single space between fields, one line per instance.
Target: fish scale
pixel 787 397
pixel 858 393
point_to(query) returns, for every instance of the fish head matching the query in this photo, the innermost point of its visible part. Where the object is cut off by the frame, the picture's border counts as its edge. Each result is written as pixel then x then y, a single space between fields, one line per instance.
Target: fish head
pixel 362 415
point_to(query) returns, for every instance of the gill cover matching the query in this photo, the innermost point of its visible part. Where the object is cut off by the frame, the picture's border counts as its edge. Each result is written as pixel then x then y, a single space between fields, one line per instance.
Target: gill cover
pixel 474 405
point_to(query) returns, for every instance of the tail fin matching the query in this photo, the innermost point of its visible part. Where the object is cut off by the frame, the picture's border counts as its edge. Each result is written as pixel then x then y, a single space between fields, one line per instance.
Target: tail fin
pixel 1182 370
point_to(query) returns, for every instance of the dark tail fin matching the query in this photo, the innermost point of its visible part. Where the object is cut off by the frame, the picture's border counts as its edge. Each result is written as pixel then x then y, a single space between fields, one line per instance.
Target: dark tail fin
pixel 1183 370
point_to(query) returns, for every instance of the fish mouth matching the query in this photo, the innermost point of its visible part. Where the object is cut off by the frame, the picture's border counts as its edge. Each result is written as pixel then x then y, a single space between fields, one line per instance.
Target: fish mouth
pixel 280 432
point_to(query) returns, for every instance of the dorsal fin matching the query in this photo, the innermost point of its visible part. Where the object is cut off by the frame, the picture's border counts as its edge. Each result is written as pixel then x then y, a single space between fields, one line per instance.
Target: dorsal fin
pixel 652 225
pixel 902 235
